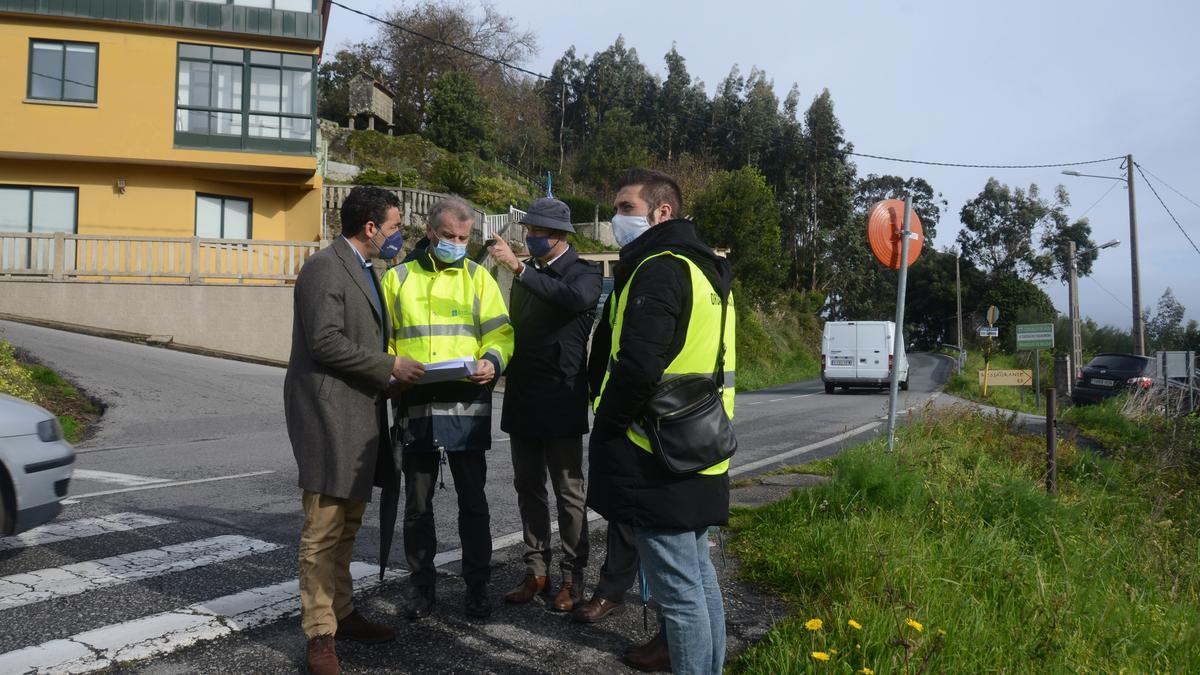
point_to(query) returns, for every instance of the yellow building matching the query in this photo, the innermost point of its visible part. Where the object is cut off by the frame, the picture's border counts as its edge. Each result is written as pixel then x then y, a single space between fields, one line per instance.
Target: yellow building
pixel 160 118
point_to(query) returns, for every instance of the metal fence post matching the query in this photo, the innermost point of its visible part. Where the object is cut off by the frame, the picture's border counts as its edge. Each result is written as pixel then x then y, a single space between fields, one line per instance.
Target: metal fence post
pixel 1051 442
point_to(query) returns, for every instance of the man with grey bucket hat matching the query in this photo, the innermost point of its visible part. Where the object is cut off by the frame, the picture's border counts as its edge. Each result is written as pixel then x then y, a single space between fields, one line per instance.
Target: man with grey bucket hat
pixel 552 308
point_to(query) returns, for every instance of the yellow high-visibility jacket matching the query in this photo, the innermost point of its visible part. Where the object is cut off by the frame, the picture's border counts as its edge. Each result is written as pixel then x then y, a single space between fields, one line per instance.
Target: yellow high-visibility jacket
pixel 444 314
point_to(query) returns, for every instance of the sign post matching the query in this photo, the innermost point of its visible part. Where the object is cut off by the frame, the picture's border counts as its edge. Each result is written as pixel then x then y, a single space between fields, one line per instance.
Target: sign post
pixel 993 315
pixel 888 233
pixel 1035 337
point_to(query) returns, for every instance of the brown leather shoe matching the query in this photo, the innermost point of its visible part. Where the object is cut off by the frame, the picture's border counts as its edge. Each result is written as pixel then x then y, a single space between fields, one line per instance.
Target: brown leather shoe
pixel 355 626
pixel 650 657
pixel 567 595
pixel 525 591
pixel 321 656
pixel 594 610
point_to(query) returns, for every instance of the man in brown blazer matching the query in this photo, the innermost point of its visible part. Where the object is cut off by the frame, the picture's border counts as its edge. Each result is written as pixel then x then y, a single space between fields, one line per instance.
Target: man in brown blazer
pixel 338 370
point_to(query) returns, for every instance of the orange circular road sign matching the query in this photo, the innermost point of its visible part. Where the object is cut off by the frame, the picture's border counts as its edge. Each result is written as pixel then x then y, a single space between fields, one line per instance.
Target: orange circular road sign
pixel 884 223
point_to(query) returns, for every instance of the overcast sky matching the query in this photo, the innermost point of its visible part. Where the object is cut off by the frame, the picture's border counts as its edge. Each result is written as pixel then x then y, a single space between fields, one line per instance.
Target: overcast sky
pixel 998 83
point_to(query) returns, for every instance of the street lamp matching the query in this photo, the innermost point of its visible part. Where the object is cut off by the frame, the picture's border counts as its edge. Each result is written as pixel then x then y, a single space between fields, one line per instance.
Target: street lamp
pixel 1139 339
pixel 1073 291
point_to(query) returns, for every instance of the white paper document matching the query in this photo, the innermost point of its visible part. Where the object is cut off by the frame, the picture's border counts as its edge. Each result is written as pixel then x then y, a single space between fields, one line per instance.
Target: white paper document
pixel 447 371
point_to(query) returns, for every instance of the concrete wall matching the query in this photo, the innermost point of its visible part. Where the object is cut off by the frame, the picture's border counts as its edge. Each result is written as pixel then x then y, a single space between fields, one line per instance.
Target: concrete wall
pixel 246 321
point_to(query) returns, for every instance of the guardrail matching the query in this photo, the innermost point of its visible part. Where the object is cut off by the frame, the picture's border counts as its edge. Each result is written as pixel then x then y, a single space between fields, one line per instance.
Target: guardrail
pixel 497 222
pixel 66 256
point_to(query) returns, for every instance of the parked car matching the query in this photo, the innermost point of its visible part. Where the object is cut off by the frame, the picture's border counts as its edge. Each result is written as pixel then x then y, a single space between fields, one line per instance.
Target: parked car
pixel 859 354
pixel 1110 374
pixel 35 466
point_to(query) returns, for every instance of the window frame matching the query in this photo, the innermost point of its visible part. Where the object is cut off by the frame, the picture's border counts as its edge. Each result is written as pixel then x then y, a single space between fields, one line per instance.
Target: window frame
pixel 224 198
pixel 315 6
pixel 246 142
pixel 63 75
pixel 45 188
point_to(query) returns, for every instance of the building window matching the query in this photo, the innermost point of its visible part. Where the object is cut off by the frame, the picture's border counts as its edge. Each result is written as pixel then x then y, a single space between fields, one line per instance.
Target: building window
pixel 244 99
pixel 62 71
pixel 38 210
pixel 222 217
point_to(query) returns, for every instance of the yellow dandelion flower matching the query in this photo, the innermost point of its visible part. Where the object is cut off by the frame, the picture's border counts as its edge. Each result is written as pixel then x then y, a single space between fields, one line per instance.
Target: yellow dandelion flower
pixel 916 626
pixel 820 656
pixel 832 651
pixel 854 624
pixel 813 624
pixel 866 671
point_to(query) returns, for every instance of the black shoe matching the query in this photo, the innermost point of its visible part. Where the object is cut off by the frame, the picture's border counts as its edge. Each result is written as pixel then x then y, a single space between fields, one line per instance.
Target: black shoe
pixel 477 605
pixel 418 602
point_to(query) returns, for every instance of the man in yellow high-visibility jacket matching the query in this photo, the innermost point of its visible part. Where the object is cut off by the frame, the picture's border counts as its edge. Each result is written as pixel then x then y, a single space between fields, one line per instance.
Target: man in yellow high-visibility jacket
pixel 443 306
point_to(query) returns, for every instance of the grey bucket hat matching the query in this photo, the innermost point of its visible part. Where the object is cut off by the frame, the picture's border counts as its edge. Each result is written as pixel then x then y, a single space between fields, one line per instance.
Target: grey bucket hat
pixel 549 213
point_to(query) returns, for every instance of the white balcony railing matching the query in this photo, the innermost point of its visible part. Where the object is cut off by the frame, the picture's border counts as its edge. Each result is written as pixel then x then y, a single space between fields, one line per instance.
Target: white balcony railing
pixel 65 256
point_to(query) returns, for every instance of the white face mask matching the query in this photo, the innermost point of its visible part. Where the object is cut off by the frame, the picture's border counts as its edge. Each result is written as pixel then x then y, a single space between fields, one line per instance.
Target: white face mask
pixel 628 228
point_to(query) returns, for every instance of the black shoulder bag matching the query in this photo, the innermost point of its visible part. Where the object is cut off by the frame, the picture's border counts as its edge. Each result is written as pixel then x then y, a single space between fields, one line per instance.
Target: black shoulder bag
pixel 685 418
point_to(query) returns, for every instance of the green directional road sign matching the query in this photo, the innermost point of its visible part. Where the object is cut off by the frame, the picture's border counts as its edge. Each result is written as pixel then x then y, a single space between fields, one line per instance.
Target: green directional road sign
pixel 1035 336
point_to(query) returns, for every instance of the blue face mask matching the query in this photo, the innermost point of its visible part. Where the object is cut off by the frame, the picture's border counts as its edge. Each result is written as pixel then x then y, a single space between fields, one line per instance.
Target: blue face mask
pixel 390 248
pixel 539 247
pixel 449 253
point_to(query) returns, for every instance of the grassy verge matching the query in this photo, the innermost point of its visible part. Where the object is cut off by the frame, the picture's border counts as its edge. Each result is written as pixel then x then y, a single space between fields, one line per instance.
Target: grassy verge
pixel 776 348
pixel 948 556
pixel 967 384
pixel 40 385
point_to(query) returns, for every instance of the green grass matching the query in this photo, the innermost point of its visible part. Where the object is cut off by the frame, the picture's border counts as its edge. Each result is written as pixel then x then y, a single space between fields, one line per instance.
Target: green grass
pixel 1105 424
pixel 775 349
pixel 820 467
pixel 38 384
pixel 967 384
pixel 956 532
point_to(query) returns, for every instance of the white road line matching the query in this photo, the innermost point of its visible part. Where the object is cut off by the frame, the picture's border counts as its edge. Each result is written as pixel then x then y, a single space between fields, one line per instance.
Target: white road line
pixel 27 588
pixel 174 483
pixel 125 479
pixel 803 450
pixel 166 632
pixel 78 529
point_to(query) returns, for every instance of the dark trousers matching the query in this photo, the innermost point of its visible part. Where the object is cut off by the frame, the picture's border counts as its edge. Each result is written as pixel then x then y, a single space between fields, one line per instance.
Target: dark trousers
pixel 469 470
pixel 620 564
pixel 563 458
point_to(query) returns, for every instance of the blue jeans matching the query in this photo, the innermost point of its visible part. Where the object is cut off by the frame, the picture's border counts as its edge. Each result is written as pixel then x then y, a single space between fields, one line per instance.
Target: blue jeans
pixel 683 582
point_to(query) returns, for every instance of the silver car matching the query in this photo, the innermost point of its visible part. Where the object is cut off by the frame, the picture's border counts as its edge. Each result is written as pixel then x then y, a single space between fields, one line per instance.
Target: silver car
pixel 35 466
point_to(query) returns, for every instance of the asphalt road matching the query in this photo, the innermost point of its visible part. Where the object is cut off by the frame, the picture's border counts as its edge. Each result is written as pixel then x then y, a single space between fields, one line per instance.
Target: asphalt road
pixel 180 532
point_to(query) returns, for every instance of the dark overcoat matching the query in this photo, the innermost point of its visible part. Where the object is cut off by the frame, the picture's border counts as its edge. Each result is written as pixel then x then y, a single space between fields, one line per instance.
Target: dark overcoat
pixel 552 311
pixel 337 371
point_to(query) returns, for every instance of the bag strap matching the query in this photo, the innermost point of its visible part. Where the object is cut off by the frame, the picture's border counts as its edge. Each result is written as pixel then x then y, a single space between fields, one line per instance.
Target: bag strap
pixel 719 368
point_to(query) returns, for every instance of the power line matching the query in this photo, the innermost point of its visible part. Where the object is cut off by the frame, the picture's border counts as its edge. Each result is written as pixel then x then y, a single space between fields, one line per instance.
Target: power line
pixel 1097 202
pixel 1110 293
pixel 986 166
pixel 1164 205
pixel 551 80
pixel 1189 199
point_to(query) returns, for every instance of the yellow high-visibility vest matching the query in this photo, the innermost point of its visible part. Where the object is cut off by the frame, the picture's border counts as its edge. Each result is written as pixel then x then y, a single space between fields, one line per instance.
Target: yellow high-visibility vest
pixel 455 312
pixel 699 353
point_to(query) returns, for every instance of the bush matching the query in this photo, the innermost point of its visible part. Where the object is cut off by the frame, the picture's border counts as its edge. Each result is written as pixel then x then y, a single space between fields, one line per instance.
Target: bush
pixel 454 177
pixel 497 194
pixel 380 178
pixel 583 209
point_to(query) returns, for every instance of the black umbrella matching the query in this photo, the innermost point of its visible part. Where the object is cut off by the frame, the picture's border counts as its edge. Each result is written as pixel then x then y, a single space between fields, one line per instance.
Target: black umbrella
pixel 389 469
pixel 389 507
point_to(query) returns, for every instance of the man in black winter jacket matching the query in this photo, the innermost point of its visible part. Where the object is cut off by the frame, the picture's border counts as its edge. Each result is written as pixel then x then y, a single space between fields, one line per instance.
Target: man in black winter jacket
pixel 552 307
pixel 669 514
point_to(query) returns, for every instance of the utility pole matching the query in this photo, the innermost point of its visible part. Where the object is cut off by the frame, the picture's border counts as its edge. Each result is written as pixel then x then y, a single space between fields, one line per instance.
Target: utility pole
pixel 1139 331
pixel 958 303
pixel 1076 340
pixel 898 343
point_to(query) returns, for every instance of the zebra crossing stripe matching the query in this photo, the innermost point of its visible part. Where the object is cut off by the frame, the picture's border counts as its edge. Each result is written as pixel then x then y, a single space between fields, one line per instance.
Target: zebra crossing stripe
pixel 78 529
pixel 167 632
pixel 58 582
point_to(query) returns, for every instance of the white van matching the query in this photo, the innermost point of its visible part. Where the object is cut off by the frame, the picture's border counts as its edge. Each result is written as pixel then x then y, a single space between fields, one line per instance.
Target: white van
pixel 859 354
